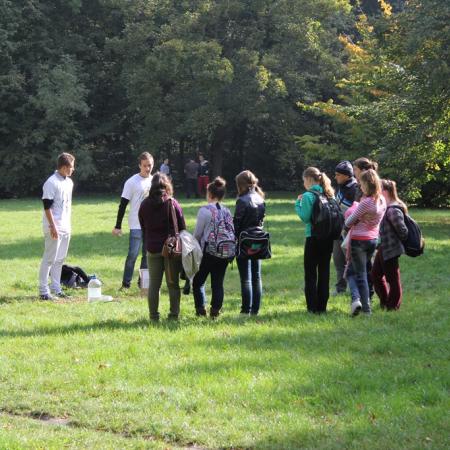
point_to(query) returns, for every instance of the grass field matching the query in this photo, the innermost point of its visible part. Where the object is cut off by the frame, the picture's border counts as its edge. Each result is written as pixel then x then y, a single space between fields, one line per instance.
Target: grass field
pixel 81 375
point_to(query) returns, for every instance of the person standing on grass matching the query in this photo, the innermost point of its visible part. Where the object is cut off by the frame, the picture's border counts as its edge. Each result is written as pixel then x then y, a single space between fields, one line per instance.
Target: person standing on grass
pixel 56 221
pixel 191 172
pixel 386 270
pixel 165 168
pixel 317 252
pixel 203 174
pixel 209 218
pixel 249 212
pixel 363 224
pixel 156 222
pixel 345 197
pixel 134 191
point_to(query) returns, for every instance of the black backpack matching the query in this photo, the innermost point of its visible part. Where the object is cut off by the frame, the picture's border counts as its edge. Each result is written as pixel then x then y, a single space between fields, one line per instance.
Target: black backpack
pixel 254 243
pixel 327 219
pixel 414 244
pixel 73 277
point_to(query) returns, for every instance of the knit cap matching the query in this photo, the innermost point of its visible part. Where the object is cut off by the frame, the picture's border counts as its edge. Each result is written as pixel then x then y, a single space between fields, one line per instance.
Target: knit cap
pixel 345 168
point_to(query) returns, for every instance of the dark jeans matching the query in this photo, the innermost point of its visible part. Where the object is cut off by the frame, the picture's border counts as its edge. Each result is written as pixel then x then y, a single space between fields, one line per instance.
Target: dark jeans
pixel 251 284
pixel 386 281
pixel 362 252
pixel 316 259
pixel 216 267
pixel 191 187
pixel 339 264
pixel 136 239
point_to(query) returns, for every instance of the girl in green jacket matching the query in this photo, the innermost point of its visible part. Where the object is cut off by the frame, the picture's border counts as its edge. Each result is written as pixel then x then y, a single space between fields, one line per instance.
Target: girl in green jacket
pixel 317 252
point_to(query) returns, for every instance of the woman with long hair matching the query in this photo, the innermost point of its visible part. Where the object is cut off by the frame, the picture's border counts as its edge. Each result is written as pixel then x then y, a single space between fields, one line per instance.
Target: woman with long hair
pixel 214 261
pixel 386 269
pixel 157 225
pixel 363 223
pixel 250 211
pixel 317 252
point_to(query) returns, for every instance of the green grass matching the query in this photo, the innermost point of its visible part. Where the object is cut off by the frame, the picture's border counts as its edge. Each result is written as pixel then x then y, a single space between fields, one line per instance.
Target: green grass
pixel 284 380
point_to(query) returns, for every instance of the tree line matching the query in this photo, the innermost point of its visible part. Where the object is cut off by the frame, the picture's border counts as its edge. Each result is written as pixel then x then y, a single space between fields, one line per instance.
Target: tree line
pixel 271 85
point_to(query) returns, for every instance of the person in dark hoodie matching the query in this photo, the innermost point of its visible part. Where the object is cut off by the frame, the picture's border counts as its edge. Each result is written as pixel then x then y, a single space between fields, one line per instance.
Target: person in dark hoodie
pixel 345 196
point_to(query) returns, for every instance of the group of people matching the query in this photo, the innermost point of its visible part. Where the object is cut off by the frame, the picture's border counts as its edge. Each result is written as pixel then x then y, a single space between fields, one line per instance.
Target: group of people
pixel 374 221
pixel 374 217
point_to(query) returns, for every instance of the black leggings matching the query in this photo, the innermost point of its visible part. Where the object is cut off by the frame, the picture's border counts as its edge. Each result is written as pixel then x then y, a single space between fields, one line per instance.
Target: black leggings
pixel 317 258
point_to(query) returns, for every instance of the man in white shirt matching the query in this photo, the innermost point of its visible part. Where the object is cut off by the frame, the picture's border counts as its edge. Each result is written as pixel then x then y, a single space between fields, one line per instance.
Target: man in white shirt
pixel 56 221
pixel 136 188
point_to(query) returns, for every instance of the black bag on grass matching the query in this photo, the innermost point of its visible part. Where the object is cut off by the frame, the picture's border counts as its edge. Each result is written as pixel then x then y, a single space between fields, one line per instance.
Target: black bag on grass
pixel 73 277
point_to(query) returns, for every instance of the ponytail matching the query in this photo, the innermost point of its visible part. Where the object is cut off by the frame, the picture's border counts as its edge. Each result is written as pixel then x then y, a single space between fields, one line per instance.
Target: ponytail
pixel 320 178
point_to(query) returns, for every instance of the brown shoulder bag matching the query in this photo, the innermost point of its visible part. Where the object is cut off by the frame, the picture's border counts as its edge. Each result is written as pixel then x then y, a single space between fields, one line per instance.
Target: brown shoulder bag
pixel 172 245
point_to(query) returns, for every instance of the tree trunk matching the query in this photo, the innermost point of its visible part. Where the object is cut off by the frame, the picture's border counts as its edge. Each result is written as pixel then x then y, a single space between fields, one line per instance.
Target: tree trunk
pixel 217 147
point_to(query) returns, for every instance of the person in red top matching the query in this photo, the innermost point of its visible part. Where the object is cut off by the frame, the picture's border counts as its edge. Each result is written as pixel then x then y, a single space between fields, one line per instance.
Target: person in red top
pixel 156 223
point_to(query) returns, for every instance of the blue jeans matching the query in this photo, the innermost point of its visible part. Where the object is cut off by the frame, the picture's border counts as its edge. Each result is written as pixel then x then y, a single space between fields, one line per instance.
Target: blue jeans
pixel 251 284
pixel 362 252
pixel 136 239
pixel 216 267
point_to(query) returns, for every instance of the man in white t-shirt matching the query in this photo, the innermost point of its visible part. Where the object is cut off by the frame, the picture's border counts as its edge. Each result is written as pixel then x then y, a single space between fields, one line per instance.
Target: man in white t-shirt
pixel 136 188
pixel 56 222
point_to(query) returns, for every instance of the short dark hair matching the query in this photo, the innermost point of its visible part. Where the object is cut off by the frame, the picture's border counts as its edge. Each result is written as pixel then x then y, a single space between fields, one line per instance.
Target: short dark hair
pixel 145 155
pixel 64 160
pixel 217 188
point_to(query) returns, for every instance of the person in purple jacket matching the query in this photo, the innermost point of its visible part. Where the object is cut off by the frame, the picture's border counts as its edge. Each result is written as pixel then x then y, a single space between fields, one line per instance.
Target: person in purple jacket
pixel 156 223
pixel 386 270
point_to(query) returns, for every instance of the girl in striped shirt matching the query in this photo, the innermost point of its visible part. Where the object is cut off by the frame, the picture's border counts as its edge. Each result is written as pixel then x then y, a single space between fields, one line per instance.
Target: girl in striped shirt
pixel 364 224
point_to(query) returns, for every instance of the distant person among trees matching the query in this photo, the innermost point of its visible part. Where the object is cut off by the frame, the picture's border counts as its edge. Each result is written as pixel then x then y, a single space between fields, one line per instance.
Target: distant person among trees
pixel 363 225
pixel 203 175
pixel 249 212
pixel 317 252
pixel 386 269
pixel 156 221
pixel 135 190
pixel 210 218
pixel 165 168
pixel 56 223
pixel 191 173
pixel 345 197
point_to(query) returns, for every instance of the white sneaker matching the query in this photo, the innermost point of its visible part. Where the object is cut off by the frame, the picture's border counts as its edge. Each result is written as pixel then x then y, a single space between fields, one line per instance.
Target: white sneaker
pixel 356 307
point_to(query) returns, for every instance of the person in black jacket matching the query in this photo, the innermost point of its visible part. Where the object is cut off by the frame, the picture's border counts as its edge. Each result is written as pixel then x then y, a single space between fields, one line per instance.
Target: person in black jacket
pixel 250 211
pixel 345 196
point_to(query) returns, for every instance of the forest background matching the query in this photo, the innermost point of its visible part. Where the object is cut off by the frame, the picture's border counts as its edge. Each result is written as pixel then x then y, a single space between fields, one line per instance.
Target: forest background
pixel 270 85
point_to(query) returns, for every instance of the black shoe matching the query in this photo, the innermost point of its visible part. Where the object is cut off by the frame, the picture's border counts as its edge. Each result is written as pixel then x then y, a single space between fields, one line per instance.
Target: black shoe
pixel 172 317
pixel 124 286
pixel 62 294
pixel 200 312
pixel 187 288
pixel 46 297
pixel 214 313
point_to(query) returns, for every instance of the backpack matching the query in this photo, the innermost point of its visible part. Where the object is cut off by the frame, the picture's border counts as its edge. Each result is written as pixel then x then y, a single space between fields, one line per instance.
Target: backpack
pixel 414 244
pixel 73 277
pixel 221 241
pixel 254 243
pixel 327 219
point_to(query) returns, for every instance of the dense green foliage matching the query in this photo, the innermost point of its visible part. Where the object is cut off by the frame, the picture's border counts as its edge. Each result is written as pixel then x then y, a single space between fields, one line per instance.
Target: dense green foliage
pixel 268 85
pixel 283 380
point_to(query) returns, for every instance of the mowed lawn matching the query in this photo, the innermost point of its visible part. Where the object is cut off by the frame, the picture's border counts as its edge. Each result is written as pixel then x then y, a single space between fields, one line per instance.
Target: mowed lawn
pixel 80 375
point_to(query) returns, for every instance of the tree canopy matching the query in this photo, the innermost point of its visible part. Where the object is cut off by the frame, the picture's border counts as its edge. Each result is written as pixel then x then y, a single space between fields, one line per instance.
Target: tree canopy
pixel 268 85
